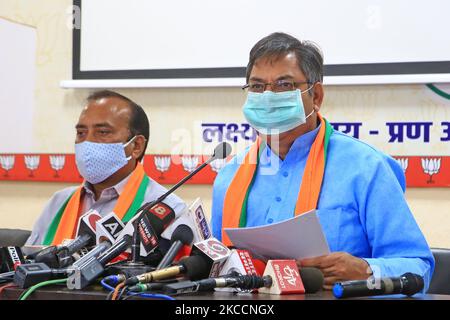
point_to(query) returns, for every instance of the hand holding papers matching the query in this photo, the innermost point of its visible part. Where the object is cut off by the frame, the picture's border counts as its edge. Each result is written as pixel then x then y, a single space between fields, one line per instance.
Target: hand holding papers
pixel 297 238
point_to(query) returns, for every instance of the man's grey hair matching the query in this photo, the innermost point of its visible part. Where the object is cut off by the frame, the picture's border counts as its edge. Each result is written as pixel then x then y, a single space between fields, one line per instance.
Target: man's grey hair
pixel 278 44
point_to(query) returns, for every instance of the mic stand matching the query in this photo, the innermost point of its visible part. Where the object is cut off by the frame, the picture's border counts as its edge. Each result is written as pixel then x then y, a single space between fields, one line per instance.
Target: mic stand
pixel 151 204
pixel 136 266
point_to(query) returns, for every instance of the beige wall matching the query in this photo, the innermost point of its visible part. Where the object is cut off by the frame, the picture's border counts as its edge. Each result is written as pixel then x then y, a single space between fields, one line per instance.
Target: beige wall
pixel 56 111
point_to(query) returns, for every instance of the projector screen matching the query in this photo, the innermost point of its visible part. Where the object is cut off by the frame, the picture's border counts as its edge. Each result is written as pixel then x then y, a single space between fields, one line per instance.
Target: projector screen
pixel 180 41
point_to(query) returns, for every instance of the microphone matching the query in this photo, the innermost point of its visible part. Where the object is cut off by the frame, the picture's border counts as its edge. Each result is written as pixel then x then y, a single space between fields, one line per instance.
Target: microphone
pixel 220 152
pixel 196 219
pixel 239 262
pixel 64 256
pixel 407 284
pixel 182 235
pixel 201 223
pixel 194 267
pixel 288 279
pixel 87 224
pixel 85 274
pixel 312 279
pixel 10 258
pixel 214 252
pixel 28 275
pixel 206 260
pixel 92 264
pixel 109 227
pixel 61 256
pixel 151 225
pixel 146 229
pixel 75 279
pixel 241 282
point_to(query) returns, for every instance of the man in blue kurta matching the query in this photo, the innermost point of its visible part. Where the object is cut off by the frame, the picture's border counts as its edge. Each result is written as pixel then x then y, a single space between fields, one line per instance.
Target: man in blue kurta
pixel 360 198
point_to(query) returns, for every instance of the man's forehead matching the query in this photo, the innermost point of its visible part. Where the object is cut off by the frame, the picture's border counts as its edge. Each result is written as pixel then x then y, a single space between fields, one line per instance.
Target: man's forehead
pixel 276 58
pixel 285 64
pixel 109 108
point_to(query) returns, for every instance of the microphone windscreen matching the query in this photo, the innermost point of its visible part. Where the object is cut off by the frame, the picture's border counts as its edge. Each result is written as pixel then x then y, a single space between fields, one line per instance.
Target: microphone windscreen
pixel 196 267
pixel 413 285
pixel 48 256
pixel 182 233
pixel 222 150
pixel 312 279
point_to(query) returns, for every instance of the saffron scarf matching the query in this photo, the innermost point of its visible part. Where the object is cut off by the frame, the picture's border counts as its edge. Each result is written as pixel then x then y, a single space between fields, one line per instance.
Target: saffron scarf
pixel 236 197
pixel 65 222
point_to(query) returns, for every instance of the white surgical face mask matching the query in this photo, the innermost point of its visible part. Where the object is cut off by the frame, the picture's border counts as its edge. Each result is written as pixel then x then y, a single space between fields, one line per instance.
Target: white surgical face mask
pixel 98 161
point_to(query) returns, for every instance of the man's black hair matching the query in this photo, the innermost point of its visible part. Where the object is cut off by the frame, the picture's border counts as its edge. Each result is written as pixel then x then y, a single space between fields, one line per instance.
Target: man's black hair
pixel 139 124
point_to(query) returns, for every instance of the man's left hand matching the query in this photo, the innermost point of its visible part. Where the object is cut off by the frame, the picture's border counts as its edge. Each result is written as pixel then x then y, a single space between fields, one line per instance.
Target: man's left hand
pixel 338 266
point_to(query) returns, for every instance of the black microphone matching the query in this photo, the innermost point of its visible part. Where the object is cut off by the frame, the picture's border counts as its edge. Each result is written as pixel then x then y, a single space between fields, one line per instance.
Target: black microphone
pixel 117 248
pixel 181 236
pixel 65 258
pixel 28 275
pixel 221 151
pixel 95 267
pixel 407 284
pixel 10 258
pixel 194 267
pixel 312 279
pixel 242 282
pixel 61 256
pixel 146 247
pixel 151 225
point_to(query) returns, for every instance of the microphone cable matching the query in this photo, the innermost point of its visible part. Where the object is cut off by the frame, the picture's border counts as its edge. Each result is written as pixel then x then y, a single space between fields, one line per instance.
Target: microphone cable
pixel 117 289
pixel 124 289
pixel 7 277
pixel 106 286
pixel 9 285
pixel 28 292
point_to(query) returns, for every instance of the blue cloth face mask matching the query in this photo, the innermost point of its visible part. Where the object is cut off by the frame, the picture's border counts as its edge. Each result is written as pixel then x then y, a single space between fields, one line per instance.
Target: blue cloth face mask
pixel 275 112
pixel 98 161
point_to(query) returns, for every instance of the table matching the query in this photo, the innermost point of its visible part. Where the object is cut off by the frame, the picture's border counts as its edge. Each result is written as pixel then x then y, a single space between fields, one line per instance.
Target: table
pixel 95 292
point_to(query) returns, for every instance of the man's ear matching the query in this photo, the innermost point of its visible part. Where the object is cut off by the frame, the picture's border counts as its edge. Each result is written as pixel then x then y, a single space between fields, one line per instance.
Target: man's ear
pixel 138 146
pixel 318 95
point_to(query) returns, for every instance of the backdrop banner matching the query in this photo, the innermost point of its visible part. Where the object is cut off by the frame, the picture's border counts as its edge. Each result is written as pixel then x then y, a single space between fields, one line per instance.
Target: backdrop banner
pixel 420 171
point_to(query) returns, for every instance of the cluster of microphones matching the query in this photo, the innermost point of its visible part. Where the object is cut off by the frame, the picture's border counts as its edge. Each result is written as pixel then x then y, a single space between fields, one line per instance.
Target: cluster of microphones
pixel 159 251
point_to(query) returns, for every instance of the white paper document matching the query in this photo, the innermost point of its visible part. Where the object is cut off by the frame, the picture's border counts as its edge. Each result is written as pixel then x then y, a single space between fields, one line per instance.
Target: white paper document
pixel 297 238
